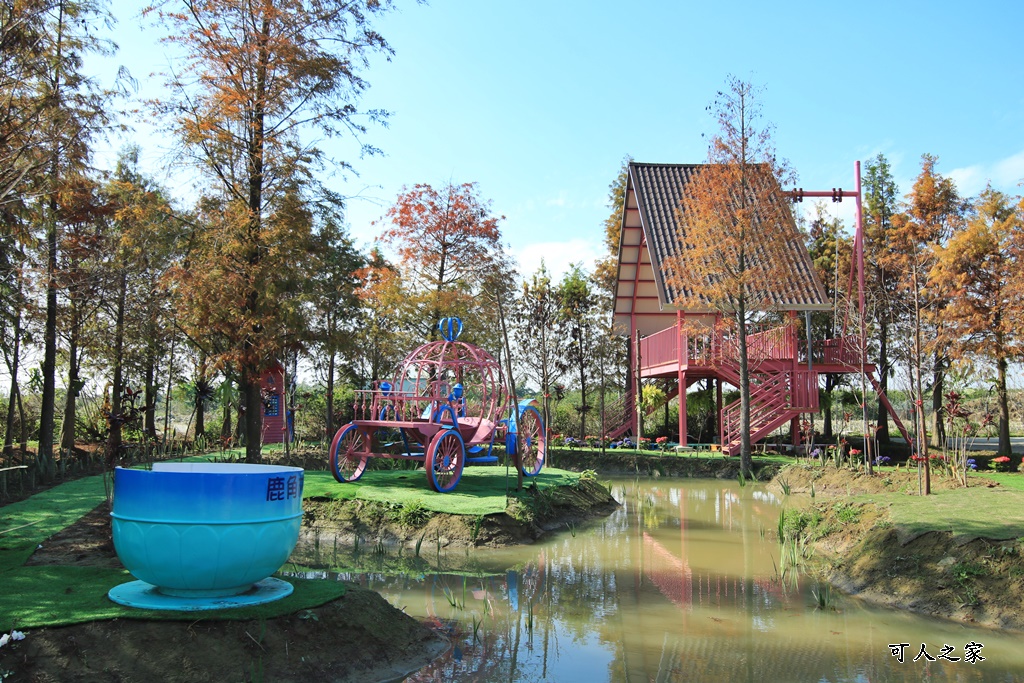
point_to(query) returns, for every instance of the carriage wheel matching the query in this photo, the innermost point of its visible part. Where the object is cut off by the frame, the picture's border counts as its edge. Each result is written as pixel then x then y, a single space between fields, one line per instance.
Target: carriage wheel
pixel 349 453
pixel 532 443
pixel 446 457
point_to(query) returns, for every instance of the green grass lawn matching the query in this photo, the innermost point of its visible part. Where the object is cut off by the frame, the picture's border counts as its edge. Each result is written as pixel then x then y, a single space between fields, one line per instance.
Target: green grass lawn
pixel 42 596
pixel 1010 480
pixel 49 595
pixel 481 490
pixel 972 512
pixel 25 524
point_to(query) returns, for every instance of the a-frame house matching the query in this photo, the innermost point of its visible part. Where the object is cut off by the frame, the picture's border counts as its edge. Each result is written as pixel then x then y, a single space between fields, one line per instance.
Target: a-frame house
pixel 674 337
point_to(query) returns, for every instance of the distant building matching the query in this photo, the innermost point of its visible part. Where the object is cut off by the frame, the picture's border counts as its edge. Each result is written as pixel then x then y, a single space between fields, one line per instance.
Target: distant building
pixel 681 339
pixel 272 387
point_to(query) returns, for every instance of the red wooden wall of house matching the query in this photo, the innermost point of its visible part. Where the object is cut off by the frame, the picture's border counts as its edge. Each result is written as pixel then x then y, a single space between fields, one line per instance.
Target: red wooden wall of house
pixel 272 385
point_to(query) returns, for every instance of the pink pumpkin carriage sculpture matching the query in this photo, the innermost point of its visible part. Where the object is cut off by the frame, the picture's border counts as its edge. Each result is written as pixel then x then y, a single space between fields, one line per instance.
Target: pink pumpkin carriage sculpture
pixel 444 409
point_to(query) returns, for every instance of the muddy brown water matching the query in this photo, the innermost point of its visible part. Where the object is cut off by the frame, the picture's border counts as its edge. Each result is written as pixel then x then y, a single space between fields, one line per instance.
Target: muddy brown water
pixel 686 581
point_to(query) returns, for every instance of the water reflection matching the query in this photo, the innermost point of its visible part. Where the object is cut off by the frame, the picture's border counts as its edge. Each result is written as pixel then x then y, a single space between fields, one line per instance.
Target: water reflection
pixel 682 582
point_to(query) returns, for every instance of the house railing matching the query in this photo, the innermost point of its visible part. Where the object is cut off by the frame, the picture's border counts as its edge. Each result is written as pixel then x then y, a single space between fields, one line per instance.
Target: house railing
pixel 838 351
pixel 713 347
pixel 660 348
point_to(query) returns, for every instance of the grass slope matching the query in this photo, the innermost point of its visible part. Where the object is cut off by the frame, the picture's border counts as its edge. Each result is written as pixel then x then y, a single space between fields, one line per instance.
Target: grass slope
pixel 481 491
pixel 977 512
pixel 39 596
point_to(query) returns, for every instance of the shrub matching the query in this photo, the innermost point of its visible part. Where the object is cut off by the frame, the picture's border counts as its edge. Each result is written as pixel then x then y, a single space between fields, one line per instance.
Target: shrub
pixel 1001 463
pixel 793 523
pixel 847 513
pixel 413 514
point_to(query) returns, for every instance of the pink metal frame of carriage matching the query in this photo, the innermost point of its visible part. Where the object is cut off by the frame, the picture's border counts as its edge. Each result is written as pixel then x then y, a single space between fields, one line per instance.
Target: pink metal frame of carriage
pixel 445 408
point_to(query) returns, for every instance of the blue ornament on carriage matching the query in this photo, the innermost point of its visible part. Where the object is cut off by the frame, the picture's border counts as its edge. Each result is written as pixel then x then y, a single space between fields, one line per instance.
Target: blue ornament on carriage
pixel 450 328
pixel 455 400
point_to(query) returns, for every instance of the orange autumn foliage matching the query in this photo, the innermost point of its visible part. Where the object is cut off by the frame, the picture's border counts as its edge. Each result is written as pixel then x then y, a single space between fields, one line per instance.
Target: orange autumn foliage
pixel 448 243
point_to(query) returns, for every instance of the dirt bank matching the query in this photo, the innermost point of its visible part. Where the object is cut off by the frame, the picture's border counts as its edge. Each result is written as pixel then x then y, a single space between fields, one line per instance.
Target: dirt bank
pixel 525 520
pixel 359 637
pixel 861 552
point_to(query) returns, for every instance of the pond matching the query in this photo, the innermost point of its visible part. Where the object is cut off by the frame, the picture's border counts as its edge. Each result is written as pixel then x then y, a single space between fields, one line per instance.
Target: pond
pixel 686 581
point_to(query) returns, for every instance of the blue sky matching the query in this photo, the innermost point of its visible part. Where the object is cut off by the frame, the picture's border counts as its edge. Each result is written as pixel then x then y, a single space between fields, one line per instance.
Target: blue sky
pixel 539 102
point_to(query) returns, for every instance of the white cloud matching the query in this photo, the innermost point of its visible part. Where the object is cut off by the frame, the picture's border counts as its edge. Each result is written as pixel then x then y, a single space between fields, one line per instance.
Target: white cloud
pixel 562 201
pixel 846 211
pixel 557 256
pixel 1005 175
pixel 970 180
pixel 1009 172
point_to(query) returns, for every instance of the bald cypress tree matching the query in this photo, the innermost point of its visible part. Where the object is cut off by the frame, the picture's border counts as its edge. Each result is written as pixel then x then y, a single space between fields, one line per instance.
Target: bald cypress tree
pixel 736 228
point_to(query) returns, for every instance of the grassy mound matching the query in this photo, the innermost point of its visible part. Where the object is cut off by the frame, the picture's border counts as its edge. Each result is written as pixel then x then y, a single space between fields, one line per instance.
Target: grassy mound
pixel 481 491
pixel 956 554
pixel 56 596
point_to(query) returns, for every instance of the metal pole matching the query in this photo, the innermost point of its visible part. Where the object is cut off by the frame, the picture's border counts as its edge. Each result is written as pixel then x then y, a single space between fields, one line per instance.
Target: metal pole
pixel 638 394
pixel 863 328
pixel 810 374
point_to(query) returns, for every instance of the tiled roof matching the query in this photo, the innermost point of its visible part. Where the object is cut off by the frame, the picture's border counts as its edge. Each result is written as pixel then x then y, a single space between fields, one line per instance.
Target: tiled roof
pixel 659 190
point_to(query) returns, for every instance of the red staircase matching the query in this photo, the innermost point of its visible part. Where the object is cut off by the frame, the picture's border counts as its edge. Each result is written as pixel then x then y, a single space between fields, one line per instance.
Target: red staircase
pixel 772 404
pixel 618 416
pixel 776 395
pixel 781 386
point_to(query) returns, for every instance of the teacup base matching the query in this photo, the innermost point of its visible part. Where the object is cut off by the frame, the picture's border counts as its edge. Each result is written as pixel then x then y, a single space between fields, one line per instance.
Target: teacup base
pixel 142 595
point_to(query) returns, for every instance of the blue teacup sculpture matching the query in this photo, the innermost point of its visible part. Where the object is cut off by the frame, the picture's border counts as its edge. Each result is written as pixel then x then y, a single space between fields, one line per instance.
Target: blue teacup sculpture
pixel 205 535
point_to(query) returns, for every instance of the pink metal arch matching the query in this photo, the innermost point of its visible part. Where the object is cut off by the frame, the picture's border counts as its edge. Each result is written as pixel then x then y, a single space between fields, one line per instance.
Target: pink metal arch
pixel 434 369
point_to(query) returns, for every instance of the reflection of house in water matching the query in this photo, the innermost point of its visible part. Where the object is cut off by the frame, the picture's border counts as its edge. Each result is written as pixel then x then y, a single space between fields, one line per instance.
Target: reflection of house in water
pixel 702 638
pixel 674 586
pixel 692 609
pixel 671 572
pixel 677 582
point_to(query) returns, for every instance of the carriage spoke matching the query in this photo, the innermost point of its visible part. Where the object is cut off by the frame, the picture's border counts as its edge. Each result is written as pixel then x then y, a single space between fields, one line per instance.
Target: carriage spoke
pixel 349 453
pixel 446 457
pixel 532 443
